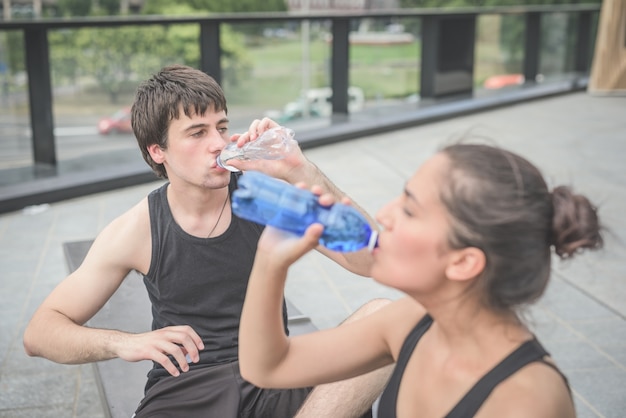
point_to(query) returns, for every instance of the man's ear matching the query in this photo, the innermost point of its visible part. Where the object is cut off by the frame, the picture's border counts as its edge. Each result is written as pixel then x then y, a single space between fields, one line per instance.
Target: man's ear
pixel 466 264
pixel 156 153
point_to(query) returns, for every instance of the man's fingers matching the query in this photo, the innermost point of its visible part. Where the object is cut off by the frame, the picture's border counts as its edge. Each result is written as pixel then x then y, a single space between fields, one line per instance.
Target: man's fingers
pixel 191 348
pixel 165 361
pixel 190 341
pixel 257 127
pixel 178 343
pixel 180 357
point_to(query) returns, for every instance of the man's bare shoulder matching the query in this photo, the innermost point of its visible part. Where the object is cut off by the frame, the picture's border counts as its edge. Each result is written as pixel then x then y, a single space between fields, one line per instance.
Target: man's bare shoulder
pixel 134 221
pixel 126 241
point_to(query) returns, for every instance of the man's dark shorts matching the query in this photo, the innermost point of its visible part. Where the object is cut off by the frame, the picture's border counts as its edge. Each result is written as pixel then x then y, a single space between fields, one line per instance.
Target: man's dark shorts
pixel 220 392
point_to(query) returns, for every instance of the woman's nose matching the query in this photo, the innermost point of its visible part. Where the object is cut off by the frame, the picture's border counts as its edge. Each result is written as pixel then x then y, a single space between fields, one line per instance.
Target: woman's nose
pixel 383 216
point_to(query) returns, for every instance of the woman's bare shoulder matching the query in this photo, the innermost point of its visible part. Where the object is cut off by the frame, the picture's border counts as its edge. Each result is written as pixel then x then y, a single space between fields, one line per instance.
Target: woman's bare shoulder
pixel 536 390
pixel 400 317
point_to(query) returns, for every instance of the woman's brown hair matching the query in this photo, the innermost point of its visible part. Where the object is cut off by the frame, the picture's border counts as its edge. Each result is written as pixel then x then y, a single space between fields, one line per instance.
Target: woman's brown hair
pixel 499 202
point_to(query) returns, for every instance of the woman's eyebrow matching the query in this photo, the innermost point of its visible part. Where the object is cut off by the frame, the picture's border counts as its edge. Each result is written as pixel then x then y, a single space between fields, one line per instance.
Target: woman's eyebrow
pixel 410 196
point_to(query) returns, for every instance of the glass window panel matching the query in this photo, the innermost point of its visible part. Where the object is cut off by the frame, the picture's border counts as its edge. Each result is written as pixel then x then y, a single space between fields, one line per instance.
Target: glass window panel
pixel 15 135
pixel 499 52
pixel 273 68
pixel 95 73
pixel 384 63
pixel 557 45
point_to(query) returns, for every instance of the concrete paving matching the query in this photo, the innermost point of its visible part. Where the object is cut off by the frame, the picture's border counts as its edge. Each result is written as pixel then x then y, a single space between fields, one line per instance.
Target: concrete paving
pixel 575 139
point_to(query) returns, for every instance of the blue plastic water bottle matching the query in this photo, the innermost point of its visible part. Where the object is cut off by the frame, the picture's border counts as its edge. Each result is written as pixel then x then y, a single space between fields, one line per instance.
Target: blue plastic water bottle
pixel 269 201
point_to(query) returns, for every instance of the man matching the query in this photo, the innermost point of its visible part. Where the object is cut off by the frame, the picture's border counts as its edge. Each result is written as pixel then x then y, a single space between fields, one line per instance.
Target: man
pixel 195 256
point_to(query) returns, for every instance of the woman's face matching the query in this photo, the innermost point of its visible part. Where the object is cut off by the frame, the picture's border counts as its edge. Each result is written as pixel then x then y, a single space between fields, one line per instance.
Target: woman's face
pixel 412 250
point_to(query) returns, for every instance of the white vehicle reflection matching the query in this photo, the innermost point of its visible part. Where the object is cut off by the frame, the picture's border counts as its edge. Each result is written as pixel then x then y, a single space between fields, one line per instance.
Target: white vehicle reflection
pixel 317 103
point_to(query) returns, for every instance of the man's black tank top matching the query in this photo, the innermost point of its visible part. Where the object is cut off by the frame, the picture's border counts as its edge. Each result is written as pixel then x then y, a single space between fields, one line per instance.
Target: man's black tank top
pixel 200 282
pixel 528 352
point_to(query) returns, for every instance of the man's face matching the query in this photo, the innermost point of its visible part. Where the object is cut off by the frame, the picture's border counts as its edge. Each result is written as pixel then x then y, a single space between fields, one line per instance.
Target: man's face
pixel 192 148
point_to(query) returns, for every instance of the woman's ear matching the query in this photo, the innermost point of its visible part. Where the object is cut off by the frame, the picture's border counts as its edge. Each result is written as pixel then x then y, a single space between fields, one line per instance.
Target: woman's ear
pixel 156 153
pixel 466 264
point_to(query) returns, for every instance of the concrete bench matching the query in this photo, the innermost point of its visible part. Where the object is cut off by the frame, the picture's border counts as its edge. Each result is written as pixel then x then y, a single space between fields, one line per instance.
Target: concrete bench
pixel 121 383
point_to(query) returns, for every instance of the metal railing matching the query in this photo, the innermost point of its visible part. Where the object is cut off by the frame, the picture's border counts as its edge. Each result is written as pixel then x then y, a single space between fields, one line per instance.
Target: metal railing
pixel 447 39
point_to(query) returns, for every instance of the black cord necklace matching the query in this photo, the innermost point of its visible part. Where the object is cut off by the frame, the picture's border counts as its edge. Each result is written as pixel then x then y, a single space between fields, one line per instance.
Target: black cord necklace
pixel 220 216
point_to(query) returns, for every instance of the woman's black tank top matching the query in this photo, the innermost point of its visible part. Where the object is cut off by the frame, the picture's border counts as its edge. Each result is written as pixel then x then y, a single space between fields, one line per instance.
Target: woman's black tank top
pixel 528 352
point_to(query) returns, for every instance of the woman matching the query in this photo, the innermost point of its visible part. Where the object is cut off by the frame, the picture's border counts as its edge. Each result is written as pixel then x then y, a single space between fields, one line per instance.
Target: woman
pixel 469 242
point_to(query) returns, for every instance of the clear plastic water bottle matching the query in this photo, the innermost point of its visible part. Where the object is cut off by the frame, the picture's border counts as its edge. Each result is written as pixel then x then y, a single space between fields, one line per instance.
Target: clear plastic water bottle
pixel 272 144
pixel 268 201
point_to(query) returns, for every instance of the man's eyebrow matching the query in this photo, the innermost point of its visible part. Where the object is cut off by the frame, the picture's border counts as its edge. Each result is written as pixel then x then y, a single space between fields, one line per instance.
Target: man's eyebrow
pixel 204 125
pixel 195 126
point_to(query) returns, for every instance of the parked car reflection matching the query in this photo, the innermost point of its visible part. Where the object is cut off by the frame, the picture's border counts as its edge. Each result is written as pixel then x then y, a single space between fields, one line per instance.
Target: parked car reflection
pixel 119 122
pixel 317 102
pixel 503 80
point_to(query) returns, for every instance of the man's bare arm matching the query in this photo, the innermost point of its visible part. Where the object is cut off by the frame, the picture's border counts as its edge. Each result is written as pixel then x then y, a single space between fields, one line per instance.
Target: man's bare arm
pixel 57 331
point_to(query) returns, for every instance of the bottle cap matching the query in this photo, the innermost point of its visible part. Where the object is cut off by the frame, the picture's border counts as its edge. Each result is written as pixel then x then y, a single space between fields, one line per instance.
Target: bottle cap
pixel 373 242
